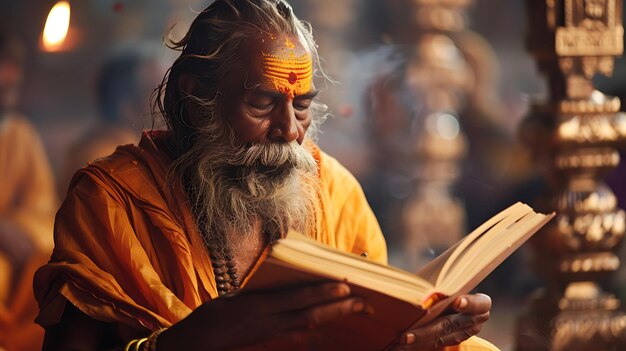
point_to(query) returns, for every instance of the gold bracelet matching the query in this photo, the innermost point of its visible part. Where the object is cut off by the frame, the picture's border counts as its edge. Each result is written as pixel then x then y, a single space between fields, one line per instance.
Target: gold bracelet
pixel 151 344
pixel 139 342
pixel 134 344
pixel 130 344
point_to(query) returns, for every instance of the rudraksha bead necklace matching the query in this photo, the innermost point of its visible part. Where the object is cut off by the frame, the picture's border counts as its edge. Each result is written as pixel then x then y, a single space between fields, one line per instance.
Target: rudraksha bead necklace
pixel 224 267
pixel 226 275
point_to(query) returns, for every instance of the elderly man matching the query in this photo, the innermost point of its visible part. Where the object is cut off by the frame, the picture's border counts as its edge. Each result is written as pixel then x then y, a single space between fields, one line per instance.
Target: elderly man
pixel 154 242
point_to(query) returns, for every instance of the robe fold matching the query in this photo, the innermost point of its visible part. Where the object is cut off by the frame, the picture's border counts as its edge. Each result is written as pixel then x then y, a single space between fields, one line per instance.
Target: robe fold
pixel 127 250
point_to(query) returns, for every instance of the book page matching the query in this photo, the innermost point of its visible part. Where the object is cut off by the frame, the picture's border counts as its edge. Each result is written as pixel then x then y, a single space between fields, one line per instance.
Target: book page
pixel 431 271
pixel 514 210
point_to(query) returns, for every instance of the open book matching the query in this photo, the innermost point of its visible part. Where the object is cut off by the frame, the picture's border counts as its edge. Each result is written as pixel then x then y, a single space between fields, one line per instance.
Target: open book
pixel 400 299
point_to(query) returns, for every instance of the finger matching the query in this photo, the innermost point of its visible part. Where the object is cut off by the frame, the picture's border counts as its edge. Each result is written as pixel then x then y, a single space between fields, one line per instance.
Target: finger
pixel 442 327
pixel 302 297
pixel 440 342
pixel 320 314
pixel 472 304
pixel 457 337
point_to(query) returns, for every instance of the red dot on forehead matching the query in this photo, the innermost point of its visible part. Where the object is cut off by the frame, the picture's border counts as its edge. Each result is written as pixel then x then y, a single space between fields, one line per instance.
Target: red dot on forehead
pixel 292 79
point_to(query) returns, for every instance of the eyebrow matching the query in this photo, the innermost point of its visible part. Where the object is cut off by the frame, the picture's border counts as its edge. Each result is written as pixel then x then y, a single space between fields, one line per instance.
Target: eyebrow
pixel 277 95
pixel 310 95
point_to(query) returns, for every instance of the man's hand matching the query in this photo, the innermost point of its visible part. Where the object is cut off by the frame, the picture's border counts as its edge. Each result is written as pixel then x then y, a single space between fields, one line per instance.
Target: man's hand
pixel 449 330
pixel 251 318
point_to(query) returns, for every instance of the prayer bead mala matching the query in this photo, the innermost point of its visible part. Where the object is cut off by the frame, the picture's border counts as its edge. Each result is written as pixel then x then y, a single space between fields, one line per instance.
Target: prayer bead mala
pixel 226 276
pixel 224 268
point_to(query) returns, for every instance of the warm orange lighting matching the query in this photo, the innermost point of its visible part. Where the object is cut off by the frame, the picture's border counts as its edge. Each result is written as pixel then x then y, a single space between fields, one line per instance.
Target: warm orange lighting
pixel 57 26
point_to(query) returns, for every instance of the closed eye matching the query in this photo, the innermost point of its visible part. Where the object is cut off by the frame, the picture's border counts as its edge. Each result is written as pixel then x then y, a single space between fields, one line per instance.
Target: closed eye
pixel 302 105
pixel 303 102
pixel 260 109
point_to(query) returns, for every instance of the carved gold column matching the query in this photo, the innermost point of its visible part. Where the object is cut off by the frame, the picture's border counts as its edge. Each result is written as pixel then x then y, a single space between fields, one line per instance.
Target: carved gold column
pixel 439 76
pixel 576 133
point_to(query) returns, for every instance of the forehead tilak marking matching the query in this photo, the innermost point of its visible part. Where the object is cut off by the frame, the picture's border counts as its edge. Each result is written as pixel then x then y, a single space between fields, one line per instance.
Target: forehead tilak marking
pixel 291 75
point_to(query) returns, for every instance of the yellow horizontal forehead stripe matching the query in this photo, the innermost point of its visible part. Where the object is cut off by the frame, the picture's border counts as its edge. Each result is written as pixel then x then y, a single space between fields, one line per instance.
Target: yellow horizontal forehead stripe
pixel 303 57
pixel 290 64
pixel 289 69
pixel 300 73
pixel 286 73
pixel 291 61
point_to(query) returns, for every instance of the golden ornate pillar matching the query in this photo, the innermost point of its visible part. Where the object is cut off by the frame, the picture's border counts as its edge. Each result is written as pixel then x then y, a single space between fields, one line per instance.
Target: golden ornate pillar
pixel 575 133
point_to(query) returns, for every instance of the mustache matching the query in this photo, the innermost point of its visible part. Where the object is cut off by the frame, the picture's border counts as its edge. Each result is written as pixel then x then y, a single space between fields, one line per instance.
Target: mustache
pixel 268 157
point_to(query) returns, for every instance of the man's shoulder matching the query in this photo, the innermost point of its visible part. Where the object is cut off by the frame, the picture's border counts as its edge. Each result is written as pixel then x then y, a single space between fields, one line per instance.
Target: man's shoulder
pixel 134 170
pixel 334 175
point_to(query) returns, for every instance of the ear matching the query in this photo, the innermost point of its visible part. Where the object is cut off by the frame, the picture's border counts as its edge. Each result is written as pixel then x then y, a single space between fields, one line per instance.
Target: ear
pixel 188 85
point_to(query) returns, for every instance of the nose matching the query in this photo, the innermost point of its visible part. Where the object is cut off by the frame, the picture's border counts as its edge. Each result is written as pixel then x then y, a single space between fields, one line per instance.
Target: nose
pixel 285 125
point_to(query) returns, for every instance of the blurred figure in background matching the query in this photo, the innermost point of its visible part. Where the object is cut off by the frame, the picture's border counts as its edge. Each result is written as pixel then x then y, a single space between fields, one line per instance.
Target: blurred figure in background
pixel 123 86
pixel 27 206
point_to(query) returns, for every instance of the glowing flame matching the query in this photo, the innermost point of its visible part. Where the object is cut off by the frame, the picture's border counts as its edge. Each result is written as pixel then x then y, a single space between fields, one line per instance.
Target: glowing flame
pixel 57 25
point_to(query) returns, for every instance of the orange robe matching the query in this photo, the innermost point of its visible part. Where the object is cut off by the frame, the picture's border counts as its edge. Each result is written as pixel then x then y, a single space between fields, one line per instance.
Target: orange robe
pixel 127 250
pixel 28 203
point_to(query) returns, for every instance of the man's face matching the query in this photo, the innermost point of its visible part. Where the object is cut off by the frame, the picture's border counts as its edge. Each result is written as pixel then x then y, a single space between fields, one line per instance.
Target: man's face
pixel 263 111
pixel 269 98
pixel 10 82
pixel 262 174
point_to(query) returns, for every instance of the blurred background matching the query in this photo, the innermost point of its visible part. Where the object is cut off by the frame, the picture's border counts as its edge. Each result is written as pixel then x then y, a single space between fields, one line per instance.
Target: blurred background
pixel 425 117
